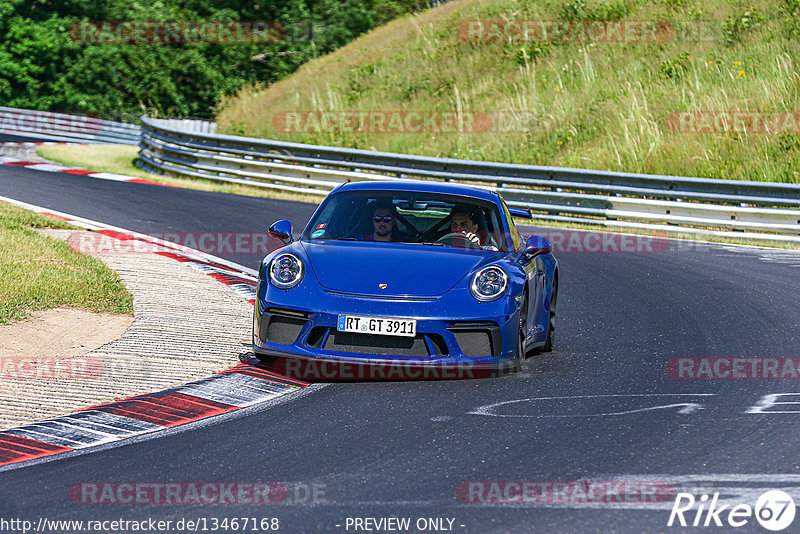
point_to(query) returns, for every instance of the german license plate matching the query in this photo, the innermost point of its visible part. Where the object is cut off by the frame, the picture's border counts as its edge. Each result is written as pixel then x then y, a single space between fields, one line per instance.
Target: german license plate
pixel 383 326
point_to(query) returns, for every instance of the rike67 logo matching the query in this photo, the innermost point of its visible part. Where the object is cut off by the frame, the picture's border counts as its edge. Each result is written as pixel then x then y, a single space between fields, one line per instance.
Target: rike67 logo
pixel 774 510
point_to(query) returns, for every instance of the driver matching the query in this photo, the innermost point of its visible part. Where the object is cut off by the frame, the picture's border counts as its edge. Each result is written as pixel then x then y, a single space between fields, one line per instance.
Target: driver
pixel 384 216
pixel 462 221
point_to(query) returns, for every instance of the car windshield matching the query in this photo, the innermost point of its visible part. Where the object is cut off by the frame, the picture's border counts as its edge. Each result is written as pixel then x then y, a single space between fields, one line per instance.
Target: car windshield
pixel 410 217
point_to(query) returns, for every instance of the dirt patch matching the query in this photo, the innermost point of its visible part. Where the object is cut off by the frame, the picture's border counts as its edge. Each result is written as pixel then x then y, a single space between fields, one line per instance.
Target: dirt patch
pixel 61 332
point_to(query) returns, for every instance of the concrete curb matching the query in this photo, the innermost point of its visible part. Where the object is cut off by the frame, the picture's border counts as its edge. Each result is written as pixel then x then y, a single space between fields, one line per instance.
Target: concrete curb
pixel 182 332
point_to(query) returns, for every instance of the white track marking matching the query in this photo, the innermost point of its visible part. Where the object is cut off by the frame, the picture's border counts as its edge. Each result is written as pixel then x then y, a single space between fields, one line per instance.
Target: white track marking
pixel 686 407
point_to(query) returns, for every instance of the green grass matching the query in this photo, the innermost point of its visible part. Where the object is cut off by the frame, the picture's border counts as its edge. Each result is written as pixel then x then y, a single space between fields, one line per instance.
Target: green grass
pixel 39 272
pixel 598 105
pixel 117 159
pixel 121 159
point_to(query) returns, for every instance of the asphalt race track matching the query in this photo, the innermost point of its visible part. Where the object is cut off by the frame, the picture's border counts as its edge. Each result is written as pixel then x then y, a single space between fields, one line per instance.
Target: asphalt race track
pixel 600 407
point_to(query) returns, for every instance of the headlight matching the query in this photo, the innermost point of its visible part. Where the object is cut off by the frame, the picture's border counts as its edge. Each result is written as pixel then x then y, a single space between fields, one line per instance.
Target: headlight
pixel 285 271
pixel 489 283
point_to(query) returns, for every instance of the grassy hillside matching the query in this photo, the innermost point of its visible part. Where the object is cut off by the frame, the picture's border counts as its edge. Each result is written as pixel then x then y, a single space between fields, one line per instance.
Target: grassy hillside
pixel 592 104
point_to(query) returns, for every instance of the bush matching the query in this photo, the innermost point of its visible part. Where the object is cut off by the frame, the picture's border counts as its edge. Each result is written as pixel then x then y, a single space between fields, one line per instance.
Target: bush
pixel 45 65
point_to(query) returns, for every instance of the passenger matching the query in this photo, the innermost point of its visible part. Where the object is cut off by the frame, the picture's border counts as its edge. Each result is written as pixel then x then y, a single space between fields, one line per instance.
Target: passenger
pixel 384 216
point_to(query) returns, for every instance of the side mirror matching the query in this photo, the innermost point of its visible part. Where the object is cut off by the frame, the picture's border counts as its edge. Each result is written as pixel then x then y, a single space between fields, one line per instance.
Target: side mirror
pixel 537 245
pixel 282 230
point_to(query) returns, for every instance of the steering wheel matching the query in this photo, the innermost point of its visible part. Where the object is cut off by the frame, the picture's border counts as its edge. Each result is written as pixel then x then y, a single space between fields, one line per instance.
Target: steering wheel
pixel 453 237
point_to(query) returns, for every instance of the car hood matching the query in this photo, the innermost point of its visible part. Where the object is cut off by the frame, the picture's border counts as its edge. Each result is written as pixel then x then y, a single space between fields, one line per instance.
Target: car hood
pixel 361 268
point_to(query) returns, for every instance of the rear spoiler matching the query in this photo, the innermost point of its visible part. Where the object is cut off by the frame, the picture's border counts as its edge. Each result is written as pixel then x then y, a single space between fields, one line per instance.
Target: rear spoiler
pixel 525 213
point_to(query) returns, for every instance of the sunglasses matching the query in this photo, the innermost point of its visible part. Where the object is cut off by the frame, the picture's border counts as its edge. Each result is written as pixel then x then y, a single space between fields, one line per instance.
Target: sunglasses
pixel 385 218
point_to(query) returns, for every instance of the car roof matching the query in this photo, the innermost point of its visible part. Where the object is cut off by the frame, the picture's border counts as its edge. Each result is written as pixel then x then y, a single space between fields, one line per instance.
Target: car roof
pixel 419 186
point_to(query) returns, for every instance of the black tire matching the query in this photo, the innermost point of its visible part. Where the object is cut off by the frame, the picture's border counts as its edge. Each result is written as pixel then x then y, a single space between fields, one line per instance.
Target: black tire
pixel 551 322
pixel 519 357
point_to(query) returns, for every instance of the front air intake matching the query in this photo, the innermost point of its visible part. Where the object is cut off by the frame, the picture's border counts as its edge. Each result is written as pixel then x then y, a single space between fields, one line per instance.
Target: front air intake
pixel 377 344
pixel 284 330
pixel 477 339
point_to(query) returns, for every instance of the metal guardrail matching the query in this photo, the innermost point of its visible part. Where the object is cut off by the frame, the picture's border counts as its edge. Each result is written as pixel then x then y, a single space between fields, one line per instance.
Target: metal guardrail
pixel 69 128
pixel 760 211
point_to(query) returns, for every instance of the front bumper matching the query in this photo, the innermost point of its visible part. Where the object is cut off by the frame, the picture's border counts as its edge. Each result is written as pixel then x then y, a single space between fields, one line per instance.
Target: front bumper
pixel 452 330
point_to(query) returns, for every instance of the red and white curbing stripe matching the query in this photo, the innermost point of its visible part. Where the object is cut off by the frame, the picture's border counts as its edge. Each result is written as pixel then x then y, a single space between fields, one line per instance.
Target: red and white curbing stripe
pixel 241 386
pixel 53 167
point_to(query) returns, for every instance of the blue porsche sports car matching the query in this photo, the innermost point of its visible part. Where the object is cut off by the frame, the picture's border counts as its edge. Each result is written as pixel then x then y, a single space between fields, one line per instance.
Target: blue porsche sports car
pixel 401 273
